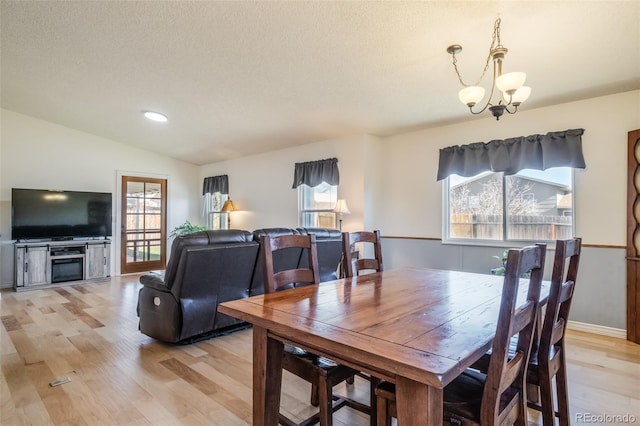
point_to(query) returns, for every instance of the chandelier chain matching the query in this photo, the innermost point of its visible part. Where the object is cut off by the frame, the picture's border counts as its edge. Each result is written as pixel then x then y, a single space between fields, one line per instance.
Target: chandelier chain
pixel 496 38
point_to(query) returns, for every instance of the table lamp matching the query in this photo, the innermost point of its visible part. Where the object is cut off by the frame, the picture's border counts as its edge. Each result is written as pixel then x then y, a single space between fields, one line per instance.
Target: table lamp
pixel 342 209
pixel 227 208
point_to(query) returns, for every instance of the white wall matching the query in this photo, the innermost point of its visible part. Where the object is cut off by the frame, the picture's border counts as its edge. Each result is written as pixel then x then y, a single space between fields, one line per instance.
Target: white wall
pixel 260 185
pixel 40 154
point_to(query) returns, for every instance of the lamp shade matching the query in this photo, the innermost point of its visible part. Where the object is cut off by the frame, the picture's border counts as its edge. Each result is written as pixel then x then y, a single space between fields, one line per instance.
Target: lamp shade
pixel 228 206
pixel 341 207
pixel 471 95
pixel 521 95
pixel 510 82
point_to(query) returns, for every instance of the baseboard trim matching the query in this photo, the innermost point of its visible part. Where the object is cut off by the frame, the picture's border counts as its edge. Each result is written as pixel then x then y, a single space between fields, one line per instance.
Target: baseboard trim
pixel 597 329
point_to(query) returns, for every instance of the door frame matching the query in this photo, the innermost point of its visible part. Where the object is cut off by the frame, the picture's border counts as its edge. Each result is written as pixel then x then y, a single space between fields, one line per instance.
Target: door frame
pixel 117 236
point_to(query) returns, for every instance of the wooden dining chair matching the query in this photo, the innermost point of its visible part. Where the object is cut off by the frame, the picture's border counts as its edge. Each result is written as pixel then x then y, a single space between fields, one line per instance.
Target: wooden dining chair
pixel 499 396
pixel 549 360
pixel 352 267
pixel 322 373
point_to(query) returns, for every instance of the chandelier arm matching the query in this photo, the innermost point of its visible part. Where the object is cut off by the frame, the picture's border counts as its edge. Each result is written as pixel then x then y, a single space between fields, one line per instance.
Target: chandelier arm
pixel 493 86
pixel 510 100
pixel 515 108
pixel 484 108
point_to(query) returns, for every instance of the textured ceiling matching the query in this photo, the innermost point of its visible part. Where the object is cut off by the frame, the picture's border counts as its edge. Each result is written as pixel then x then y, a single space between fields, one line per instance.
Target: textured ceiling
pixel 238 78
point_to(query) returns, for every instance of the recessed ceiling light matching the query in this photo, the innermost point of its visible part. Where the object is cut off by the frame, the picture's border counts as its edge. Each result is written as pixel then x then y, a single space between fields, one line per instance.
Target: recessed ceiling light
pixel 156 116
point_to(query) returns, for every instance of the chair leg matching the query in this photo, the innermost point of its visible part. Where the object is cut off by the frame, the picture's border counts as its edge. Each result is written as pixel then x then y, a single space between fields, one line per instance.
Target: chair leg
pixel 325 393
pixel 562 389
pixel 521 420
pixel 546 399
pixel 382 411
pixel 314 396
pixel 373 383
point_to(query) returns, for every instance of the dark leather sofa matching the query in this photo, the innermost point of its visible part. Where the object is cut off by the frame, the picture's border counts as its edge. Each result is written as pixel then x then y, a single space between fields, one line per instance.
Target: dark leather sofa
pixel 210 267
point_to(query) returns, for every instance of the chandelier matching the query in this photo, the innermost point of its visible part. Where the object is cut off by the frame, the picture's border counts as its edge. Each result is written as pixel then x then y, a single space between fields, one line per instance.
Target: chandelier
pixel 510 85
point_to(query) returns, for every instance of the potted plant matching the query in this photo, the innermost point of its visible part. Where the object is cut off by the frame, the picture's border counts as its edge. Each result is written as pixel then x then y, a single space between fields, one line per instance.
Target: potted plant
pixel 501 269
pixel 503 260
pixel 186 228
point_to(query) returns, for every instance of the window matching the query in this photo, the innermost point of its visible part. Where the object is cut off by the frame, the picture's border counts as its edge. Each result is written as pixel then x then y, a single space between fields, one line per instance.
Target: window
pixel 316 205
pixel 215 190
pixel 213 204
pixel 532 205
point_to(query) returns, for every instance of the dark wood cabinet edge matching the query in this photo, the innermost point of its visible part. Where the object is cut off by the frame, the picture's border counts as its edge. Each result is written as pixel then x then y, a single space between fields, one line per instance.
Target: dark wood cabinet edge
pixel 633 269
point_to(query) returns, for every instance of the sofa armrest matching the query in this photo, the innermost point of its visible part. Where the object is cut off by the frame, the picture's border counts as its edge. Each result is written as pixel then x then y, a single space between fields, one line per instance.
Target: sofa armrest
pixel 154 280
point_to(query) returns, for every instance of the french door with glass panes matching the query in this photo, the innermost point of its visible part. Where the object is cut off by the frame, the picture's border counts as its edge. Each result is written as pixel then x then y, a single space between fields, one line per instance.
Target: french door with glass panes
pixel 144 224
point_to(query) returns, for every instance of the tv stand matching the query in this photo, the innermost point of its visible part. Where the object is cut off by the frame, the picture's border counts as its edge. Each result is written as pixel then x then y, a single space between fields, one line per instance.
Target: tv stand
pixel 45 263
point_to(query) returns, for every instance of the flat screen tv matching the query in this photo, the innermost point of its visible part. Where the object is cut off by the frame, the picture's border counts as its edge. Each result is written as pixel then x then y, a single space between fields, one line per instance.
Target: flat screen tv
pixel 59 215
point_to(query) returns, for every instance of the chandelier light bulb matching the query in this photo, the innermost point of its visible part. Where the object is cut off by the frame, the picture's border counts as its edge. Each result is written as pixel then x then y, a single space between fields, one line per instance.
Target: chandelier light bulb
pixel 510 82
pixel 521 95
pixel 471 95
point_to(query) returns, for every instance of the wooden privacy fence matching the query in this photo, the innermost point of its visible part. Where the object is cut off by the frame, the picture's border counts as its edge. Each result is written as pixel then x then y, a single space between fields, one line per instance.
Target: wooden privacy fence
pixel 489 227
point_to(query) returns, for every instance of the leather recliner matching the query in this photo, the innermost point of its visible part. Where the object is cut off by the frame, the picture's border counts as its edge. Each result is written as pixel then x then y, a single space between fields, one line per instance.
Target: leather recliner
pixel 204 269
pixel 210 267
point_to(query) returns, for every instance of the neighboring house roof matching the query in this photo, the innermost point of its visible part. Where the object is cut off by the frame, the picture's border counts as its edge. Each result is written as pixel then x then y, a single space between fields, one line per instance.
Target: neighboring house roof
pixel 561 186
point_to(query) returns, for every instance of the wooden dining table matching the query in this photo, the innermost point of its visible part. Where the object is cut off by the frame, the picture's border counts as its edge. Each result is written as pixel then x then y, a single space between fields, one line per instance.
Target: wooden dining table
pixel 419 328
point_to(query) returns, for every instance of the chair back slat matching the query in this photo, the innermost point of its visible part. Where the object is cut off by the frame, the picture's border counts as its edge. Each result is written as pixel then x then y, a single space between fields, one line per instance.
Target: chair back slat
pixel 352 268
pixel 558 332
pixel 522 317
pixel 275 281
pixel 566 292
pixel 293 276
pixel 364 264
pixel 511 371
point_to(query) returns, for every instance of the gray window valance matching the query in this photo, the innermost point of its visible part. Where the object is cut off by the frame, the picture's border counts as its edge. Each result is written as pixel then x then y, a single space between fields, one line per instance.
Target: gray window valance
pixel 213 184
pixel 539 152
pixel 313 173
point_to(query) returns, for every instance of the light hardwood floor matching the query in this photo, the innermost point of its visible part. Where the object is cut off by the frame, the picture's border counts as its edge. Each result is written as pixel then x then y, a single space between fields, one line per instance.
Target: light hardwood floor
pixel 89 333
